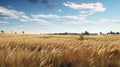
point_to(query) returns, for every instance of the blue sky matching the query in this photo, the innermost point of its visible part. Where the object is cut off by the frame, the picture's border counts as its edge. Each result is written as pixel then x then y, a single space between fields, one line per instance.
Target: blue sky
pixel 50 16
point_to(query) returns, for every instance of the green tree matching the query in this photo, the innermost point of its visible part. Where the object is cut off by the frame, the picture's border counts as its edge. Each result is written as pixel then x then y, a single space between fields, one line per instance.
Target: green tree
pixel 23 32
pixel 101 33
pixel 2 31
pixel 15 32
pixel 86 33
pixel 117 33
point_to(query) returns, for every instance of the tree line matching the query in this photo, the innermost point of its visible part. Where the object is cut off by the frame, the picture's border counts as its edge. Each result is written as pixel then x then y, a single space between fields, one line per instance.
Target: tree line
pixel 66 33
pixel 2 32
pixel 87 33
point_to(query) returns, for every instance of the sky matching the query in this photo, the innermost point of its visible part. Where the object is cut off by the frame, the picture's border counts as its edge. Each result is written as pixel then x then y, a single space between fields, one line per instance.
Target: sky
pixel 57 16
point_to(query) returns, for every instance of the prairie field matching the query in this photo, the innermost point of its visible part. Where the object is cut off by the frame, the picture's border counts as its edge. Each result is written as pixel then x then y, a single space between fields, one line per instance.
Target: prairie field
pixel 28 50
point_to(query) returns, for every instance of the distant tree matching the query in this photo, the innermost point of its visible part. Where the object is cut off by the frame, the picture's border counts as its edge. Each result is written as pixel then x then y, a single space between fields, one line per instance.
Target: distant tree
pixel 111 32
pixel 65 33
pixel 117 33
pixel 2 31
pixel 23 32
pixel 86 33
pixel 101 33
pixel 15 32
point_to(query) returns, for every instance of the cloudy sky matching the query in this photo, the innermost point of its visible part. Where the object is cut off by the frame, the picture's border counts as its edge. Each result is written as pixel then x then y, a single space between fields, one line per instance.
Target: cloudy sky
pixel 49 16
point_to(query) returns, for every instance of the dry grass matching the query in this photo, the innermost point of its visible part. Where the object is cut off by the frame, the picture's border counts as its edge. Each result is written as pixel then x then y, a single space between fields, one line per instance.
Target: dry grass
pixel 59 51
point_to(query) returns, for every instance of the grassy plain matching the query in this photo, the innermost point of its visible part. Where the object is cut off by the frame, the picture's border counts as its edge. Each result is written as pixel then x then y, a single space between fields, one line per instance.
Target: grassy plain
pixel 26 50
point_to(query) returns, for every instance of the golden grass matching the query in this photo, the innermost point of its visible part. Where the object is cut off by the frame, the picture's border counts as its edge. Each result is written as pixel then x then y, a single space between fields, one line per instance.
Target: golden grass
pixel 59 51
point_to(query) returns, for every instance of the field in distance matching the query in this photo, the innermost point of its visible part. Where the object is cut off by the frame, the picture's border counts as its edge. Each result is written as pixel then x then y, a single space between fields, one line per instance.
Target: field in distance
pixel 27 50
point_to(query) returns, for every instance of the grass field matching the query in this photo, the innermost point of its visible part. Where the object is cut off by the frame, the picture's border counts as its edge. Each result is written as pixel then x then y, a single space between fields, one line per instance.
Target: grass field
pixel 27 50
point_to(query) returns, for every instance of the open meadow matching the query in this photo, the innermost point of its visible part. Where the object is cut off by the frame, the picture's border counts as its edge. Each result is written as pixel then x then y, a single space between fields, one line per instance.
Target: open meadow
pixel 27 50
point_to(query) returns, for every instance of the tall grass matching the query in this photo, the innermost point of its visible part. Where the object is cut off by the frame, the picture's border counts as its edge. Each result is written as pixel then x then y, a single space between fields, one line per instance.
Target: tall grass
pixel 59 51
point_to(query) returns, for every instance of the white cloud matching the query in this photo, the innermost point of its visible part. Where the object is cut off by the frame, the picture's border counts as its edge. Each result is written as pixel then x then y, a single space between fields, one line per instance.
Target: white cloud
pixel 95 7
pixel 76 22
pixel 3 22
pixel 19 15
pixel 104 21
pixel 13 14
pixel 97 21
pixel 24 18
pixel 52 16
pixel 71 17
pixel 60 10
pixel 40 21
pixel 45 16
pixel 9 6
pixel 20 26
pixel 109 21
pixel 86 9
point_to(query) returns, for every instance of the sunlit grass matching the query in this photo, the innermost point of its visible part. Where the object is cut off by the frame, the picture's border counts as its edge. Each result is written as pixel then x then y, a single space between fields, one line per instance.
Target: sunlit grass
pixel 59 51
